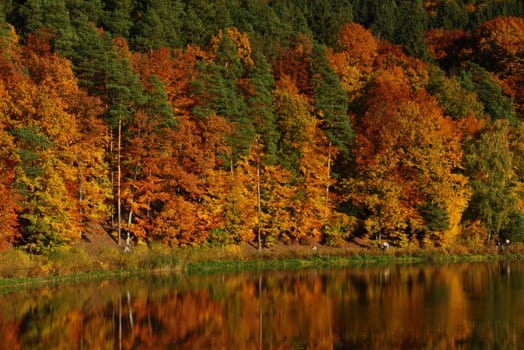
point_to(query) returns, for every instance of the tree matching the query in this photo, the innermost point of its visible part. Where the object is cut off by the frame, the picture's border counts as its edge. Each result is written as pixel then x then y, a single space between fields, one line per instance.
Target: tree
pixel 218 90
pixel 411 25
pixel 8 159
pixel 455 100
pixel 260 105
pixel 489 165
pixel 406 153
pixel 496 103
pixel 203 20
pixel 325 18
pixel 331 106
pixel 53 16
pixel 117 17
pixel 158 24
pixel 354 60
pixel 305 152
pixel 124 94
pixel 499 48
pixel 62 174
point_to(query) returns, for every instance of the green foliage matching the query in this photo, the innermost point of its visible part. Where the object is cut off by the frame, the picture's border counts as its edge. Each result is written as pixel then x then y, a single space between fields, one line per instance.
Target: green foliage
pixel 117 17
pixel 53 16
pixel 456 101
pixel 124 90
pixel 488 163
pixel 219 93
pixel 158 24
pixel 89 57
pixel 436 219
pixel 204 19
pixel 411 26
pixel 325 18
pixel 331 103
pixel 219 237
pixel 514 230
pixel 496 103
pixel 157 104
pixel 450 15
pixel 260 105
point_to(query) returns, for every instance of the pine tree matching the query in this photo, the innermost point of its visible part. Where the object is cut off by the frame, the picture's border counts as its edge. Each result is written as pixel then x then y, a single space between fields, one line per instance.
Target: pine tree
pixel 117 17
pixel 331 104
pixel 53 16
pixel 219 86
pixel 496 103
pixel 158 24
pixel 410 29
pixel 260 105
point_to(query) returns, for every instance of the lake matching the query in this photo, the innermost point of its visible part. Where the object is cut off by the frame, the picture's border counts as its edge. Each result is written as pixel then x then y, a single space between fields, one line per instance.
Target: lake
pixel 455 306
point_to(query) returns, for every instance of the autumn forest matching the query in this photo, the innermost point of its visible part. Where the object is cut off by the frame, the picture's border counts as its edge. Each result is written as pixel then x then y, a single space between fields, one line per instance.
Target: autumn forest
pixel 193 122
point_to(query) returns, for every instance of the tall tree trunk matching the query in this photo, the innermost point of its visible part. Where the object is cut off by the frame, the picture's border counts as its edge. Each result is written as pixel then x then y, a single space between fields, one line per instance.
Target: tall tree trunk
pixel 119 180
pixel 259 204
pixel 326 204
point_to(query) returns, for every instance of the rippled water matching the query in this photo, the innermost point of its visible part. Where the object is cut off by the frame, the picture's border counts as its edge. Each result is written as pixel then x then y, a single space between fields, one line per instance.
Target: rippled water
pixel 459 306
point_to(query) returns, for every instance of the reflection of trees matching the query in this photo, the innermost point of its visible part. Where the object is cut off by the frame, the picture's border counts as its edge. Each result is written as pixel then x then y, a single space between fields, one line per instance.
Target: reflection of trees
pixel 440 307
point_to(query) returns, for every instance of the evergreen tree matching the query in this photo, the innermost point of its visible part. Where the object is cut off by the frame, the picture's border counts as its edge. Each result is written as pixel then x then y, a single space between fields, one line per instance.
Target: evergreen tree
pixel 410 29
pixel 218 92
pixel 331 104
pixel 156 103
pixel 158 24
pixel 117 17
pixel 204 19
pixel 124 90
pixel 450 15
pixel 265 29
pixel 261 105
pixel 496 104
pixel 384 23
pixel 89 56
pixel 292 19
pixel 325 18
pixel 52 16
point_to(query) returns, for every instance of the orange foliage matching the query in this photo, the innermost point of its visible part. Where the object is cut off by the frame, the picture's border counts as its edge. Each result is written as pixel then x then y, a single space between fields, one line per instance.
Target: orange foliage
pixel 449 45
pixel 294 63
pixel 406 152
pixel 502 37
pixel 358 45
pixel 501 48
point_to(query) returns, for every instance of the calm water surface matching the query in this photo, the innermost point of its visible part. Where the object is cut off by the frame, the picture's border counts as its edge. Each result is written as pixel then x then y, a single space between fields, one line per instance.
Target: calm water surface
pixel 460 306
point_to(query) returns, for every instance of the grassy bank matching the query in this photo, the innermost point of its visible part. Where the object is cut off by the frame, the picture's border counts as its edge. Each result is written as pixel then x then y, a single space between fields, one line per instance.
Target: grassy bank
pixel 18 268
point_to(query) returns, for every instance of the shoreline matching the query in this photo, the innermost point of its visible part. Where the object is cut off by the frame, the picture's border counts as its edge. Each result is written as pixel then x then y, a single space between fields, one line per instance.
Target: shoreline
pixel 20 270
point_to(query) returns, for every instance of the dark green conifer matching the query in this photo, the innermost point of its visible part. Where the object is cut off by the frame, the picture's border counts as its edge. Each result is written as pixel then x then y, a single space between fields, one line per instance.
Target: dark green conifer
pixel 331 103
pixel 261 105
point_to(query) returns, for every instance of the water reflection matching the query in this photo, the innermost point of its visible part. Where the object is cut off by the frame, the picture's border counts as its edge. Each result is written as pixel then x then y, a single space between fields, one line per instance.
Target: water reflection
pixel 460 306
